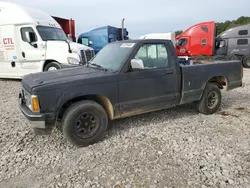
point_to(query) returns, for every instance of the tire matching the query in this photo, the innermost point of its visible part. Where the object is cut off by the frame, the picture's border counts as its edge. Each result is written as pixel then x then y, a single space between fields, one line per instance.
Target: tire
pixel 205 104
pixel 246 62
pixel 52 66
pixel 78 122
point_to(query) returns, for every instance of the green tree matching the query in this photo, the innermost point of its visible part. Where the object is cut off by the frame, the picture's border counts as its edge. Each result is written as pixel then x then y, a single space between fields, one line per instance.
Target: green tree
pixel 178 32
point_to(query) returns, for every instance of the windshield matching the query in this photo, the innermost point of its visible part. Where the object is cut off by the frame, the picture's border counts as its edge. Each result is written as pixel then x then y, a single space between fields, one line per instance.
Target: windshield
pixel 112 55
pixel 51 33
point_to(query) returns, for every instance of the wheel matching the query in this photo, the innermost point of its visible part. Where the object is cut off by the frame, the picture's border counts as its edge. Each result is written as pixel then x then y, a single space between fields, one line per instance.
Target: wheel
pixel 52 66
pixel 84 123
pixel 211 99
pixel 246 62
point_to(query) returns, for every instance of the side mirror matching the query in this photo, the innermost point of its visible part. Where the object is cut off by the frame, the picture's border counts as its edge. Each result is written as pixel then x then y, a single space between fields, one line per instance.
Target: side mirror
pixel 90 42
pixel 137 64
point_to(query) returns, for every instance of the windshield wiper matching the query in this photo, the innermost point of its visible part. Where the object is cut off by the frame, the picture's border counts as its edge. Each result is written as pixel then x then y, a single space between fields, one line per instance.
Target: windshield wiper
pixel 99 66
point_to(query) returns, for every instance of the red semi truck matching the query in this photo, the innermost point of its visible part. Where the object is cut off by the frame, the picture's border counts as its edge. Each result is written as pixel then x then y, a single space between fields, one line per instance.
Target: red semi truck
pixel 68 26
pixel 201 40
pixel 197 40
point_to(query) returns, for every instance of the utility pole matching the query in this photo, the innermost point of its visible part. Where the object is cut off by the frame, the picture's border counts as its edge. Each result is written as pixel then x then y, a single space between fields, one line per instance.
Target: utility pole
pixel 123 29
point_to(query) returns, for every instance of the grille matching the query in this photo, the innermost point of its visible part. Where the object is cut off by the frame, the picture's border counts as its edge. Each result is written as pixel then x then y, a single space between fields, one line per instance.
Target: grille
pixel 87 55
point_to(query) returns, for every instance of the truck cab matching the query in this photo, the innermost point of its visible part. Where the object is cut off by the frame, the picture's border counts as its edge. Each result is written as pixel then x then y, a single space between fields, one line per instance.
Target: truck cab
pixel 235 41
pixel 34 42
pixel 99 37
pixel 197 40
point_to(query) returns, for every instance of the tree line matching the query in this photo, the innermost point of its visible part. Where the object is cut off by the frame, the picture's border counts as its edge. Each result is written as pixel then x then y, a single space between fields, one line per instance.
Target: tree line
pixel 223 26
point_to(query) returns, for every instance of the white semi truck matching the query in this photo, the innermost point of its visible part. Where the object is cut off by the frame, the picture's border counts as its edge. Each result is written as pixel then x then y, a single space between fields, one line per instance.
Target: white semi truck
pixel 32 41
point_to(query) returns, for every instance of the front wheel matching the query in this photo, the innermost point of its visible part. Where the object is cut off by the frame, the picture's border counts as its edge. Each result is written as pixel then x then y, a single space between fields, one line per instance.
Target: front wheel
pixel 246 62
pixel 84 123
pixel 211 99
pixel 52 66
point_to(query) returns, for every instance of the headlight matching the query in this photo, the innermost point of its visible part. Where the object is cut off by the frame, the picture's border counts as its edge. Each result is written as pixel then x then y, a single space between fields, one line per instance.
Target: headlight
pixel 31 102
pixel 27 98
pixel 73 61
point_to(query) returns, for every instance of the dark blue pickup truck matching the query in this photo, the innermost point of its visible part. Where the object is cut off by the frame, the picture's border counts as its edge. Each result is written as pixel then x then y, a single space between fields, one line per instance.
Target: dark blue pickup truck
pixel 124 79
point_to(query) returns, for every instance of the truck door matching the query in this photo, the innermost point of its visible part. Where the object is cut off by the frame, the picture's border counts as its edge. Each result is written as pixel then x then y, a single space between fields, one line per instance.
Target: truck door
pixel 152 87
pixel 30 53
pixel 204 50
pixel 8 52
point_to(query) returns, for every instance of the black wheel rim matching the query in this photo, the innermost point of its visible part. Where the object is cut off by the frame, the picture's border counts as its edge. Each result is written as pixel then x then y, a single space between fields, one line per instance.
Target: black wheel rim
pixel 212 100
pixel 86 125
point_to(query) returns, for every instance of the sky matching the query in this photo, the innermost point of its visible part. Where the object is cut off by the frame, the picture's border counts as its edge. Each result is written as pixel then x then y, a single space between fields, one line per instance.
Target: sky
pixel 141 16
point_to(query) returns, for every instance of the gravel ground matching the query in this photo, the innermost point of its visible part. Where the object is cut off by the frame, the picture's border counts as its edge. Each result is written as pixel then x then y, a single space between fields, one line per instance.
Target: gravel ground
pixel 170 148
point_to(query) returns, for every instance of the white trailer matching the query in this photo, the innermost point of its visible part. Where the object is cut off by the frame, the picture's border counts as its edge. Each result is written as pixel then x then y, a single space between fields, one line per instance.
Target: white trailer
pixel 169 36
pixel 32 41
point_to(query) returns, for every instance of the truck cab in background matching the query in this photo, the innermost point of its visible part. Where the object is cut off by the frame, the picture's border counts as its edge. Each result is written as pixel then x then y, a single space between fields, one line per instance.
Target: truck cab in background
pixel 34 42
pixel 235 41
pixel 100 37
pixel 200 40
pixel 197 40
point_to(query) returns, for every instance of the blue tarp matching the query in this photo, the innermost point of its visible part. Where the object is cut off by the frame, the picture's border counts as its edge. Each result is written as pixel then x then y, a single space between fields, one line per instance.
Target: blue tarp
pixel 101 36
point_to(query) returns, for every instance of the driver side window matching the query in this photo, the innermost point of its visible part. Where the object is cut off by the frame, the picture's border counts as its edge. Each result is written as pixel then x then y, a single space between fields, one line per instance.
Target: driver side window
pixel 30 30
pixel 152 56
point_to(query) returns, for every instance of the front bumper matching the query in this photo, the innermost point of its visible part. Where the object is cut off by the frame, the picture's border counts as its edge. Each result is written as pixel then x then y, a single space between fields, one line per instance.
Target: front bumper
pixel 37 121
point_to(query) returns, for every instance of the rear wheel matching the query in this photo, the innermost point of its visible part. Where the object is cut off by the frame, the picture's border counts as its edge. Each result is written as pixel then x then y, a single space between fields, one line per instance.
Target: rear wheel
pixel 84 123
pixel 246 62
pixel 211 99
pixel 52 66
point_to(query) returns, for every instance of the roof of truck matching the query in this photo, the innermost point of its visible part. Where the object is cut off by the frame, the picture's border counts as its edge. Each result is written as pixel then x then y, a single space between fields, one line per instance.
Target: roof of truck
pixel 11 13
pixel 234 32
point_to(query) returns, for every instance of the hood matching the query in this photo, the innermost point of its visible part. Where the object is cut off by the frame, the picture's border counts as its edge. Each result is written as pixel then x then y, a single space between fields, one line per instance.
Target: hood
pixel 61 77
pixel 59 50
pixel 62 45
pixel 78 46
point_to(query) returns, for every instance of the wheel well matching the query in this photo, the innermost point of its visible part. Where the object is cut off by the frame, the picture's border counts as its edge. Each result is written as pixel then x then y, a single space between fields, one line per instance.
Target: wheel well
pixel 220 81
pixel 100 99
pixel 47 62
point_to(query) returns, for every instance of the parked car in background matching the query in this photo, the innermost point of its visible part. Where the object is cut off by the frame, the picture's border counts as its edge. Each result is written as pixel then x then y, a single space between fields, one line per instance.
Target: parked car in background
pixel 34 42
pixel 125 78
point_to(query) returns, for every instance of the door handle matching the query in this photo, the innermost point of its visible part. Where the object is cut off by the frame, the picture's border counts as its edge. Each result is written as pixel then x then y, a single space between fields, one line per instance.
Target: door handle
pixel 23 54
pixel 169 72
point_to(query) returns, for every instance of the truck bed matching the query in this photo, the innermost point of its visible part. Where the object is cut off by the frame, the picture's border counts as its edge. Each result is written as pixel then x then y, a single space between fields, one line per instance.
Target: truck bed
pixel 196 76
